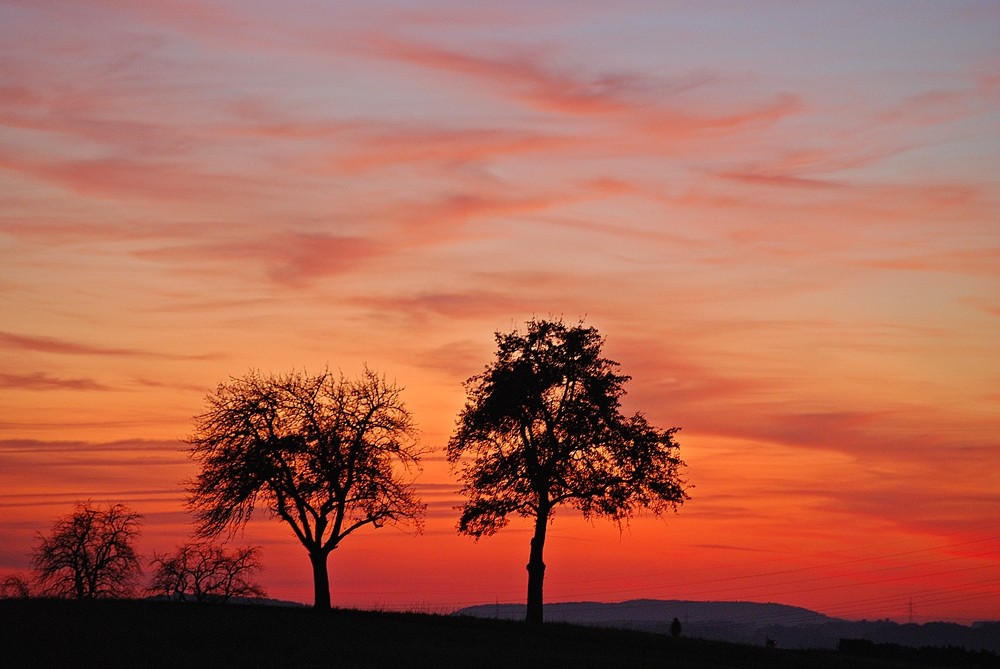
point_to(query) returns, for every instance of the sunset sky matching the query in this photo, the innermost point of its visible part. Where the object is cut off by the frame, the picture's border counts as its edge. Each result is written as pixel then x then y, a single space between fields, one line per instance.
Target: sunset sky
pixel 783 216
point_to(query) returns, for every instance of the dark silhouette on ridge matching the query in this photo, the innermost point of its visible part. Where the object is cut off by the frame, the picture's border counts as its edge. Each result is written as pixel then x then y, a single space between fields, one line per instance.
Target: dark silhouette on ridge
pixel 205 572
pixel 751 622
pixel 90 553
pixel 15 586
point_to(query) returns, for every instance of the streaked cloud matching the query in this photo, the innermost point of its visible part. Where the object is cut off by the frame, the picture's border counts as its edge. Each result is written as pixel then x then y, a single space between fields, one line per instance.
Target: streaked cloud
pixel 41 344
pixel 42 381
pixel 53 345
pixel 287 258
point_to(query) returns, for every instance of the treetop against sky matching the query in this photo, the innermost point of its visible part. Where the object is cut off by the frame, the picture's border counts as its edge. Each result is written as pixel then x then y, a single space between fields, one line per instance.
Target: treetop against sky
pixel 782 217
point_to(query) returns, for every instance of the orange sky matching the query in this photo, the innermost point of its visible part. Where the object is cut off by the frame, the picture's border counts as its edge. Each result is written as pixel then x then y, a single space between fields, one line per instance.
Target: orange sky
pixel 784 217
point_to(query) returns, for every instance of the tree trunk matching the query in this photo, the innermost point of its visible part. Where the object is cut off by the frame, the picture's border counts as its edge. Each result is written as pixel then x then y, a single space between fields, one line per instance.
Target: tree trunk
pixel 536 570
pixel 321 580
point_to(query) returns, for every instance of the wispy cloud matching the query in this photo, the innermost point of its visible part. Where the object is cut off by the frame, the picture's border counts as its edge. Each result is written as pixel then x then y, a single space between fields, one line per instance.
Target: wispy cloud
pixel 65 347
pixel 131 177
pixel 288 258
pixel 42 381
pixel 980 261
pixel 447 147
pixel 61 346
pixel 635 101
pixel 984 305
pixel 459 305
pixel 125 445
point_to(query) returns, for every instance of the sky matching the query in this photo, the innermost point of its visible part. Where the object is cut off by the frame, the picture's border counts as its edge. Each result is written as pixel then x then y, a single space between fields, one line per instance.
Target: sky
pixel 784 218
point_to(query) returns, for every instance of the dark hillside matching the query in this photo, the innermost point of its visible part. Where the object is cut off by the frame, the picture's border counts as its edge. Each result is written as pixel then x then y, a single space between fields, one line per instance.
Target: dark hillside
pixel 751 623
pixel 655 614
pixel 48 633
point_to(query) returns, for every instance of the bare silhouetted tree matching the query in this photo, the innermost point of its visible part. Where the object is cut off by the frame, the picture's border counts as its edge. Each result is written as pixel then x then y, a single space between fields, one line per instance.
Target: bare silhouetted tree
pixel 15 586
pixel 542 427
pixel 324 454
pixel 206 572
pixel 90 553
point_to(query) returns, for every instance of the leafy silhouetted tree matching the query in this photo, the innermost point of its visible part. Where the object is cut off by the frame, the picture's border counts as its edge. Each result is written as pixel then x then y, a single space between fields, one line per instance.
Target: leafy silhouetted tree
pixel 324 454
pixel 206 572
pixel 90 553
pixel 542 427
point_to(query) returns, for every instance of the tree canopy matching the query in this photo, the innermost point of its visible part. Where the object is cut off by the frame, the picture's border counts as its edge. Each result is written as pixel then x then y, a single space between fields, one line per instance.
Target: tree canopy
pixel 90 553
pixel 325 454
pixel 542 427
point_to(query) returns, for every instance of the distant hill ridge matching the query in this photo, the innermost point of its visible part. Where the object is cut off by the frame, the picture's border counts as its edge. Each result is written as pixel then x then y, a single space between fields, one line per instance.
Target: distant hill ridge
pixel 753 623
pixel 641 612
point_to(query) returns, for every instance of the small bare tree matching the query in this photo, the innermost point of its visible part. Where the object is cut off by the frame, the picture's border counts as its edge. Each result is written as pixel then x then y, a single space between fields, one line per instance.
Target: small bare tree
pixel 90 553
pixel 15 586
pixel 206 572
pixel 324 454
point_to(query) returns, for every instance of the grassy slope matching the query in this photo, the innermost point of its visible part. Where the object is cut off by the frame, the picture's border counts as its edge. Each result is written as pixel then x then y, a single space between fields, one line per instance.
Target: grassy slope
pixel 39 633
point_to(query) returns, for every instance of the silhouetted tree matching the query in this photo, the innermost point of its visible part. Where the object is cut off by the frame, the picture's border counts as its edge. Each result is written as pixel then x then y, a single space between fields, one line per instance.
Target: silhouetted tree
pixel 322 453
pixel 90 553
pixel 15 586
pixel 542 427
pixel 206 572
pixel 675 627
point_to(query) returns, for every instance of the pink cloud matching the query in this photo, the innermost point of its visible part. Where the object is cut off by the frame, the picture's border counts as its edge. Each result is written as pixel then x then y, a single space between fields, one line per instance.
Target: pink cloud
pixel 41 381
pixel 446 147
pixel 939 107
pixel 256 118
pixel 443 217
pixel 708 397
pixel 755 178
pixel 288 258
pixel 986 306
pixel 183 387
pixel 87 117
pixel 812 168
pixel 531 83
pixel 465 206
pixel 117 177
pixel 64 347
pixel 633 100
pixel 53 345
pixel 191 18
pixel 664 376
pixel 678 124
pixel 980 261
pixel 458 305
pixel 81 469
pixel 53 232
pixel 313 255
pixel 458 360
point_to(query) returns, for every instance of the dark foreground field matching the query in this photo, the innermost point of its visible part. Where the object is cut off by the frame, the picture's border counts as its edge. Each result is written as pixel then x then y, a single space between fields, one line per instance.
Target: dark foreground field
pixel 46 633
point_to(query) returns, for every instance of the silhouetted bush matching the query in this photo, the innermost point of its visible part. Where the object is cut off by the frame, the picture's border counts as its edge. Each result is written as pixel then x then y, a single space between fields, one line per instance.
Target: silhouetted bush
pixel 206 572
